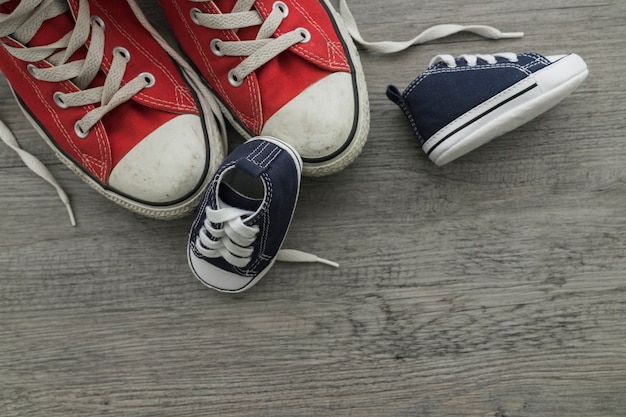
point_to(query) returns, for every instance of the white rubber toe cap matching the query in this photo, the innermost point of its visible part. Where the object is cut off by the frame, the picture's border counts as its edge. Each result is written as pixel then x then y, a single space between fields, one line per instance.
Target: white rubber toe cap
pixel 319 121
pixel 217 278
pixel 166 166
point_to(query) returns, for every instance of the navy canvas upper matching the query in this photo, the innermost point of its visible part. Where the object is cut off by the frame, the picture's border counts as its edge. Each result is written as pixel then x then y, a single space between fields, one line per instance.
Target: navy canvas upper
pixel 278 171
pixel 442 94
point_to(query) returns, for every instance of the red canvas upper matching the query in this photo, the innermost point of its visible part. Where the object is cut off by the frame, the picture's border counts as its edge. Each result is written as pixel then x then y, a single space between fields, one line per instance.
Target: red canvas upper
pixel 277 82
pixel 121 129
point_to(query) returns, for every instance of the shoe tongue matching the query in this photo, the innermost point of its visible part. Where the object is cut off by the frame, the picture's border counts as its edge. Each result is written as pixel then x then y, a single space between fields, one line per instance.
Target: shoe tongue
pixel 232 198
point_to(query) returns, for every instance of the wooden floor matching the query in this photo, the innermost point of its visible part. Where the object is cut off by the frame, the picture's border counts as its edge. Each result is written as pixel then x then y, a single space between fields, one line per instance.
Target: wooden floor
pixel 493 286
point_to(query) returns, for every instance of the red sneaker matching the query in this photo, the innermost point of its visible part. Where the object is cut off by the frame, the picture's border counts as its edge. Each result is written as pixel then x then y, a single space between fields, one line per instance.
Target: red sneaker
pixel 113 103
pixel 286 69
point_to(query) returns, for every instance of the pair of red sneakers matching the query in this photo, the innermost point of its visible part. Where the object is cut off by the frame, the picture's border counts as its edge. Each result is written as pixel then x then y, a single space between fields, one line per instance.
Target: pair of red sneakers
pixel 136 121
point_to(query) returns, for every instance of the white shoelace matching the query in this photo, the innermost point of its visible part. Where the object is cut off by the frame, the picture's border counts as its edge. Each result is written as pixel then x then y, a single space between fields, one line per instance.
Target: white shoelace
pixel 472 60
pixel 430 34
pixel 36 166
pixel 233 239
pixel 257 52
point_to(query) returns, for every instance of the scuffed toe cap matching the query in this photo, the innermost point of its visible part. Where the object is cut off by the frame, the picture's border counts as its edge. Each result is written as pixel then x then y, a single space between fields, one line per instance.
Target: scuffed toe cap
pixel 319 122
pixel 166 166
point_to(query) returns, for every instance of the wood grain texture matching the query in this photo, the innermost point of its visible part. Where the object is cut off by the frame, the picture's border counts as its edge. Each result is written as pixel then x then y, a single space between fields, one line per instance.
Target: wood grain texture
pixel 491 287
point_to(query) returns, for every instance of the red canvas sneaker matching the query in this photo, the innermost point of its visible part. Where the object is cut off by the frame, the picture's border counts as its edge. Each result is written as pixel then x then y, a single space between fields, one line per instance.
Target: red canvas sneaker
pixel 112 100
pixel 287 69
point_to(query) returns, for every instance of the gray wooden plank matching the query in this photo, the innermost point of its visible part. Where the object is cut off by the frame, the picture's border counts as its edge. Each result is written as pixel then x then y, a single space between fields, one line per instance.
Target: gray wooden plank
pixel 493 286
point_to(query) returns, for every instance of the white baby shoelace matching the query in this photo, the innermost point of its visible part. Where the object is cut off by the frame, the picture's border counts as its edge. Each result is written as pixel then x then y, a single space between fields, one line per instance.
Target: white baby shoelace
pixel 430 34
pixel 232 241
pixel 472 60
pixel 225 235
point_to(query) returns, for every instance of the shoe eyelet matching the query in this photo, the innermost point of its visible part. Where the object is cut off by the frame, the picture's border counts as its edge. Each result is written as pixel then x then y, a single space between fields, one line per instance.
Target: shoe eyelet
pixel 98 21
pixel 123 52
pixel 233 80
pixel 79 131
pixel 58 100
pixel 194 13
pixel 215 47
pixel 31 68
pixel 306 35
pixel 282 7
pixel 149 78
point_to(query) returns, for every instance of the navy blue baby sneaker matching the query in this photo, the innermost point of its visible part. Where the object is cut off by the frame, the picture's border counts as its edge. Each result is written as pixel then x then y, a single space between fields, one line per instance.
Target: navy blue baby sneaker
pixel 459 104
pixel 245 215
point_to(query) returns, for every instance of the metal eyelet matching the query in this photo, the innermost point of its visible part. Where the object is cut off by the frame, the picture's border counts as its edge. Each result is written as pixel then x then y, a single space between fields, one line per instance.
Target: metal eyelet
pixel 58 100
pixel 215 47
pixel 306 35
pixel 123 52
pixel 98 21
pixel 150 79
pixel 79 131
pixel 233 80
pixel 193 13
pixel 284 10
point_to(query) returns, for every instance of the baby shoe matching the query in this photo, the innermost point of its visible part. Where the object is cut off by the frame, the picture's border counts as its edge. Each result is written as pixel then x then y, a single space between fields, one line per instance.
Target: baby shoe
pixel 113 103
pixel 245 214
pixel 459 104
pixel 286 69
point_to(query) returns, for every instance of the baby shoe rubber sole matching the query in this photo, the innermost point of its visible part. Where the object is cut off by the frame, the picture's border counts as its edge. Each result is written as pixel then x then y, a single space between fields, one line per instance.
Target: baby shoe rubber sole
pixel 537 84
pixel 245 215
pixel 312 95
pixel 130 123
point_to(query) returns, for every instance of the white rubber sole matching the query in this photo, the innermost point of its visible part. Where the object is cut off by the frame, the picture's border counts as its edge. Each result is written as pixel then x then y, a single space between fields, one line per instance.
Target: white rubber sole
pixel 508 110
pixel 196 264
